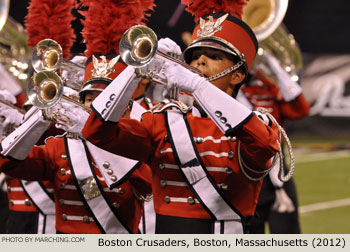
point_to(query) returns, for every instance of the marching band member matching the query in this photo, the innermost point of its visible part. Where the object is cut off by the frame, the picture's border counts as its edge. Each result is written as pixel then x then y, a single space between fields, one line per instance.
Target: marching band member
pixel 277 202
pixel 207 163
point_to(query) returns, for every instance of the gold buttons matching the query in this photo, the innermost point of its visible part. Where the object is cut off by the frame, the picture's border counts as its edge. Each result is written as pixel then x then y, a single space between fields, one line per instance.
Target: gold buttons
pixel 114 178
pixel 8 189
pixel 86 219
pixel 116 205
pixel 167 199
pixel 161 166
pixel 64 156
pixel 230 154
pixel 224 186
pixel 106 164
pixel 61 202
pixel 190 200
pixel 64 217
pixel 162 151
pixel 233 139
pixel 223 120
pixel 109 171
pixel 228 170
pixel 199 139
pixel 62 186
pixel 121 190
pixel 63 171
pixel 11 203
pixel 27 202
pixel 163 183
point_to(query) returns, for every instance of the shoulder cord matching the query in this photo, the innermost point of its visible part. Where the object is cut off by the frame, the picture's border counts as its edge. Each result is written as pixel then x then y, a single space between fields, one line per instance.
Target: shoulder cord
pixel 281 131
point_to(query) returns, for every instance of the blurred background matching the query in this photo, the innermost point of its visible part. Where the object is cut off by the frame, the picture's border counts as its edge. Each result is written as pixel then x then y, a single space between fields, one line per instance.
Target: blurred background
pixel 321 141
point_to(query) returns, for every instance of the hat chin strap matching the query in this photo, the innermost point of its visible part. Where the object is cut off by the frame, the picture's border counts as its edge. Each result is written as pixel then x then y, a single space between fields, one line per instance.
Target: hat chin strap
pixel 226 71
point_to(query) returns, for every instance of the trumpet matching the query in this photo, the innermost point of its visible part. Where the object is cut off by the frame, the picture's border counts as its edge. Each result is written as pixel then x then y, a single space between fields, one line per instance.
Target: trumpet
pixel 47 56
pixel 45 91
pixel 138 47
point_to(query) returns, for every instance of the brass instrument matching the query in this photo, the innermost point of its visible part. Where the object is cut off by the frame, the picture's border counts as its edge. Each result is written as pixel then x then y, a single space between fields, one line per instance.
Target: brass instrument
pixel 45 91
pixel 138 47
pixel 265 18
pixel 14 52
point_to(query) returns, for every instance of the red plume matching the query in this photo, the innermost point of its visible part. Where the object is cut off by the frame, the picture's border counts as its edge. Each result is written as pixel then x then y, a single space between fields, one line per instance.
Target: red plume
pixel 107 20
pixel 200 8
pixel 51 19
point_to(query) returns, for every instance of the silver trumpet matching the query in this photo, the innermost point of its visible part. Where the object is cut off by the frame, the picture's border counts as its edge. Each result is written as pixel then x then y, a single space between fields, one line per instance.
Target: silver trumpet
pixel 138 47
pixel 45 91
pixel 47 56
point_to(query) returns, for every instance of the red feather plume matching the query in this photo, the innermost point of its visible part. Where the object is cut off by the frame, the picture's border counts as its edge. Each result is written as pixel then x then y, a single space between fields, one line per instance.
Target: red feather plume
pixel 200 8
pixel 51 19
pixel 107 20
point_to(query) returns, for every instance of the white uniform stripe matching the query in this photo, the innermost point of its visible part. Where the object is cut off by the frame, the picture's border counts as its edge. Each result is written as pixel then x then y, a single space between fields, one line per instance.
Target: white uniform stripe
pixel 184 200
pixel 210 168
pixel 78 218
pixel 211 153
pixel 70 187
pixel 50 190
pixel 73 203
pixel 16 189
pixel 168 150
pixel 18 202
pixel 176 183
pixel 210 138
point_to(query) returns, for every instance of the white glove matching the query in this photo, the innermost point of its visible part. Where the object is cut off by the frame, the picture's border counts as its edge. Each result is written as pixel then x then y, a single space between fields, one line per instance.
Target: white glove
pixel 282 202
pixel 183 78
pixel 73 117
pixel 11 115
pixel 70 92
pixel 7 96
pixel 168 46
pixel 290 89
pixel 73 74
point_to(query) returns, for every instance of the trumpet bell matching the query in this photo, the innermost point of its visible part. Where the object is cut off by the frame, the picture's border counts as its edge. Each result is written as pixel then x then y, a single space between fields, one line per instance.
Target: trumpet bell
pixel 47 55
pixel 45 89
pixel 138 46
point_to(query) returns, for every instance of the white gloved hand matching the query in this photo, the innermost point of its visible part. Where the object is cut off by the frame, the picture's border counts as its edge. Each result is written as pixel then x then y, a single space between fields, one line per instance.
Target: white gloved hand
pixel 73 117
pixel 11 115
pixel 76 76
pixel 6 96
pixel 168 46
pixel 67 91
pixel 183 78
pixel 282 202
pixel 289 88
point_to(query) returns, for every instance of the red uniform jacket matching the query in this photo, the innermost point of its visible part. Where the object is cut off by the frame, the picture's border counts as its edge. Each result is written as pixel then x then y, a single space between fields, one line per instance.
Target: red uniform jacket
pixel 49 162
pixel 267 95
pixel 147 141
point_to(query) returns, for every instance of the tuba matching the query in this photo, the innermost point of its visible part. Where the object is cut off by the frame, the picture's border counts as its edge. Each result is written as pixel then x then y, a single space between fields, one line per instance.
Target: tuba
pixel 14 52
pixel 265 18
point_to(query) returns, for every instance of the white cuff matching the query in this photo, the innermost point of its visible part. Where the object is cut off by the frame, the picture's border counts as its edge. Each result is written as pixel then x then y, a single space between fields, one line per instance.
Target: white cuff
pixel 112 102
pixel 225 111
pixel 19 143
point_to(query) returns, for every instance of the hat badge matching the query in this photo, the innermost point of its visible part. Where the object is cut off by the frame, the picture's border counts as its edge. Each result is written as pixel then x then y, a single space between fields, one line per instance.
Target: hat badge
pixel 210 27
pixel 103 68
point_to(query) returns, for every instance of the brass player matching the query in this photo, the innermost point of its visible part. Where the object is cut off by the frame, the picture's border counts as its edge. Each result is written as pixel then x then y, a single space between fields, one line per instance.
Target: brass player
pixel 207 163
pixel 277 202
pixel 84 204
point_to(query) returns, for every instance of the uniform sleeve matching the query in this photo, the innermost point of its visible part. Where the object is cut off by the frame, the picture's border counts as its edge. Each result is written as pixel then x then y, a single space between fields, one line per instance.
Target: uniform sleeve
pixel 141 179
pixel 122 138
pixel 37 166
pixel 296 109
pixel 259 143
